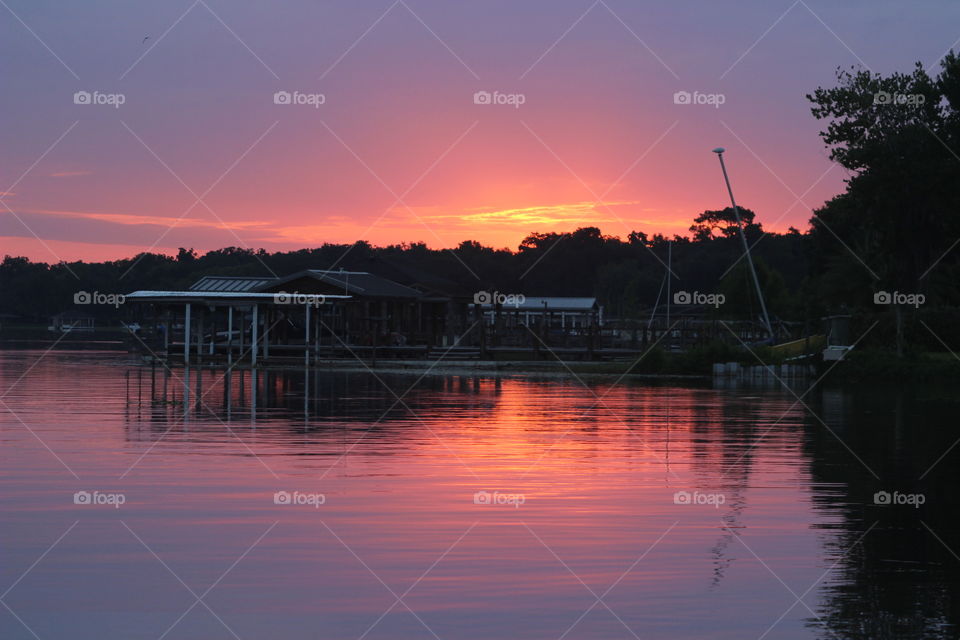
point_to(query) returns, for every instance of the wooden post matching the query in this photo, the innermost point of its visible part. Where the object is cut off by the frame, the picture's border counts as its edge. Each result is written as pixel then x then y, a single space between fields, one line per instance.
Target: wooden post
pixel 254 338
pixel 267 318
pixel 186 334
pixel 306 338
pixel 230 335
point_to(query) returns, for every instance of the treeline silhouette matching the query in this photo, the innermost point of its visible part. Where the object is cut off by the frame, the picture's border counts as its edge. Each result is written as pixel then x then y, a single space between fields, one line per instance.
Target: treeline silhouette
pixel 895 229
pixel 625 274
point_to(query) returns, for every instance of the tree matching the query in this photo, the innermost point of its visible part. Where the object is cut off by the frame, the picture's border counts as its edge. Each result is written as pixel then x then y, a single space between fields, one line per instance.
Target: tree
pixel 896 222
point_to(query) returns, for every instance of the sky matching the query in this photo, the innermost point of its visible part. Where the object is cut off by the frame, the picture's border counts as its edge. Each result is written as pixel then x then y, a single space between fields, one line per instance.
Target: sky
pixel 149 126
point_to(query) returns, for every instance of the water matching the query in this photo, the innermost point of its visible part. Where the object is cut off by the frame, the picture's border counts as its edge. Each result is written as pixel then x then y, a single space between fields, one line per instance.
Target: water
pixel 579 533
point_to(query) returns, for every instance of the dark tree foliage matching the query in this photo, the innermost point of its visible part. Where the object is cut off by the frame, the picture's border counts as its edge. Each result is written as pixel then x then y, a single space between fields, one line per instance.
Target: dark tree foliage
pixel 896 226
pixel 626 275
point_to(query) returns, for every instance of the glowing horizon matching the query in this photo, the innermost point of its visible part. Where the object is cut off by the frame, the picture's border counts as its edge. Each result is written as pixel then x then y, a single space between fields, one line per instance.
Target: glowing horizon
pixel 412 122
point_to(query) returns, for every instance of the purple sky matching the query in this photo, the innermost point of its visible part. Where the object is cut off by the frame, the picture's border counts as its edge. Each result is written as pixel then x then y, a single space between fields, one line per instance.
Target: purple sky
pixel 399 151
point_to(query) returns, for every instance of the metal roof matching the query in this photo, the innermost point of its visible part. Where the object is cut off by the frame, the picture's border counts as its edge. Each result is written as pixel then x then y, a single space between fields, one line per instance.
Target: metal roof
pixel 231 283
pixel 213 296
pixel 356 283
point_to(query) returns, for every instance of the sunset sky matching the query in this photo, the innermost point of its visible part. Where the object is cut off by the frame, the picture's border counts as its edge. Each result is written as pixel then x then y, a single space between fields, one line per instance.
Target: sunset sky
pixel 200 155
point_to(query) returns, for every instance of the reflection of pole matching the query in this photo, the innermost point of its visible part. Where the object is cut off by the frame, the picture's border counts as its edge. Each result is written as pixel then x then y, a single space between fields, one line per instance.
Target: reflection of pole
pixel 743 238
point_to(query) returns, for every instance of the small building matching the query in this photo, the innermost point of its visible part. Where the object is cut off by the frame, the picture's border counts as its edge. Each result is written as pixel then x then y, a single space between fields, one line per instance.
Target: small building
pixel 72 321
pixel 568 314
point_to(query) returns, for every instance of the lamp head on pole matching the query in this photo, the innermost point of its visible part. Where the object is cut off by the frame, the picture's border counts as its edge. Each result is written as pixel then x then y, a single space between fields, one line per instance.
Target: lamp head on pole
pixel 719 150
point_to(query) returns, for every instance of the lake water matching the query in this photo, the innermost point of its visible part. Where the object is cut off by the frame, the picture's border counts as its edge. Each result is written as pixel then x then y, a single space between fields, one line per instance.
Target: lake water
pixel 360 505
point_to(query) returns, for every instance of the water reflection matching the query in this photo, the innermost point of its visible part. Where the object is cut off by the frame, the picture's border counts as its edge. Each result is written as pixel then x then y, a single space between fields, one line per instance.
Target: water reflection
pixel 400 457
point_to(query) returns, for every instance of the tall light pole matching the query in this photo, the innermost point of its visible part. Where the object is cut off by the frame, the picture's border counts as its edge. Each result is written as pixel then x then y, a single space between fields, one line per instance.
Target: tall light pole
pixel 746 249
